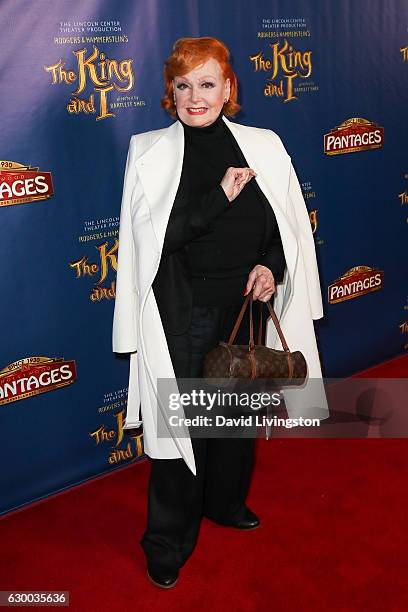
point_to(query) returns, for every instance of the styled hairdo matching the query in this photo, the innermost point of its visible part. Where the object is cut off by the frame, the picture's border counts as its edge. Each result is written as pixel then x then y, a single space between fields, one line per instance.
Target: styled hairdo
pixel 189 53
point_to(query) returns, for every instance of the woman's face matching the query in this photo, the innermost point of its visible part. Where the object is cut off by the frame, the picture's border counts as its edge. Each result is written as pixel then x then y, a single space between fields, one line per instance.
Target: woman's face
pixel 200 94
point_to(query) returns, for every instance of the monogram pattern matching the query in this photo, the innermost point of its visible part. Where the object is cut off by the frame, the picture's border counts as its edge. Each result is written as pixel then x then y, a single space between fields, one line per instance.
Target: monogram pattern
pixel 235 361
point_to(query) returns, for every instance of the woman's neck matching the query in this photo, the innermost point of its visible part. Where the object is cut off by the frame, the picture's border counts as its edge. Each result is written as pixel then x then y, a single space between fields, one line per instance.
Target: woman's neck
pixel 214 129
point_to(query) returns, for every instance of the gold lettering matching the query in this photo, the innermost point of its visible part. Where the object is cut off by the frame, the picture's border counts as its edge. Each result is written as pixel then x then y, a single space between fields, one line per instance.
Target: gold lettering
pixel 403 197
pixel 76 106
pixel 313 219
pixel 99 293
pixel 286 61
pixel 103 106
pixel 119 421
pixel 85 65
pixel 59 75
pixel 120 454
pixel 105 256
pixel 83 268
pixel 404 51
pixel 105 74
pixel 138 443
pixel 101 435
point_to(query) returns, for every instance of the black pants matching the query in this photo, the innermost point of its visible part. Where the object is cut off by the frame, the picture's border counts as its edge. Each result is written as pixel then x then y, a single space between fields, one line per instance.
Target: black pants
pixel 177 499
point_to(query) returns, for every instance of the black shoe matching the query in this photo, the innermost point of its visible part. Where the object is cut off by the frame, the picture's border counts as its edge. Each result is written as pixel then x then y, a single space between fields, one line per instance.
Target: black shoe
pixel 161 577
pixel 248 521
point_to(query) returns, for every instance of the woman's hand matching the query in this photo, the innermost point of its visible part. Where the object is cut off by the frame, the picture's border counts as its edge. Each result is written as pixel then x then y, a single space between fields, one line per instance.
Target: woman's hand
pixel 262 281
pixel 234 180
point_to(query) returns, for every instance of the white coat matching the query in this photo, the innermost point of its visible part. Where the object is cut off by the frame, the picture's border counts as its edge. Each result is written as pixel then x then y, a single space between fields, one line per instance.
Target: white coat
pixel 152 175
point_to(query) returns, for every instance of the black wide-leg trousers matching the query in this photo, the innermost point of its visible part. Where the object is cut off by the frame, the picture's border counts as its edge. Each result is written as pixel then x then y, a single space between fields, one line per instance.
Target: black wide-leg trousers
pixel 177 499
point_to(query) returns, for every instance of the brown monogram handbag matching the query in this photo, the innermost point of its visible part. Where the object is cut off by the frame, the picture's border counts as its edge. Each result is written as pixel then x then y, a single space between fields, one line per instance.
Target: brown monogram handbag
pixel 229 360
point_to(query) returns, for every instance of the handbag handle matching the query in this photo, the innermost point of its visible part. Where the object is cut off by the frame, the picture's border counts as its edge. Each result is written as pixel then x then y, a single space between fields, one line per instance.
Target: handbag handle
pixel 251 324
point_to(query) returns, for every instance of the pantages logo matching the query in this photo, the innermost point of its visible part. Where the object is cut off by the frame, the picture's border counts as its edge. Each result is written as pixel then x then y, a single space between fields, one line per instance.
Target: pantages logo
pixel 285 62
pixel 33 375
pixel 20 184
pixel 354 283
pixel 355 134
pixel 107 260
pixel 105 75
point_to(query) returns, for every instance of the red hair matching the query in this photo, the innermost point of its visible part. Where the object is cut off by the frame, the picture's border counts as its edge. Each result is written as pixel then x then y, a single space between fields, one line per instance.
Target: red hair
pixel 189 53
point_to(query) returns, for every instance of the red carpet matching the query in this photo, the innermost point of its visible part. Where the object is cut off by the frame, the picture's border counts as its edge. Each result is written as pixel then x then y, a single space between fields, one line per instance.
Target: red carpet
pixel 333 536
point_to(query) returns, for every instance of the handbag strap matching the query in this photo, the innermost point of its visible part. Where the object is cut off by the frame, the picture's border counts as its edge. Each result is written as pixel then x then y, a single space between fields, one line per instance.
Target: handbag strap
pixel 238 320
pixel 251 328
pixel 260 343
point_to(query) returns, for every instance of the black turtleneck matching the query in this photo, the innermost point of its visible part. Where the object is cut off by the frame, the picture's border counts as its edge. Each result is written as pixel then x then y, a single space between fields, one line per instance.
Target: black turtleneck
pixel 220 260
pixel 211 244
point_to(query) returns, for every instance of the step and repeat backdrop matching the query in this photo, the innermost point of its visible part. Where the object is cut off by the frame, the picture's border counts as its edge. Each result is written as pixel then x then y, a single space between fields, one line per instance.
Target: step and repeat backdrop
pixel 77 80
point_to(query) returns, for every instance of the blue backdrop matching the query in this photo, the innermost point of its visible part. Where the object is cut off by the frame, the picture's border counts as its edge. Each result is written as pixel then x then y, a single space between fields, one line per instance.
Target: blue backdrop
pixel 304 69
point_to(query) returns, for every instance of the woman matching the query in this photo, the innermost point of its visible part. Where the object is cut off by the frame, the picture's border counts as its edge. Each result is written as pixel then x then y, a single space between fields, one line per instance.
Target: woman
pixel 210 211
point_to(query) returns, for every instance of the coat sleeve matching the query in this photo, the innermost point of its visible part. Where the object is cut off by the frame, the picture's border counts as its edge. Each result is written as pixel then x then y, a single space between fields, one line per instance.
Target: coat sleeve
pixel 296 209
pixel 124 330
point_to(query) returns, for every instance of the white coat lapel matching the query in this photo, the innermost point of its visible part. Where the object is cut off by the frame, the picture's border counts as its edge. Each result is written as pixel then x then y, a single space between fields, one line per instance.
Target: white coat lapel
pixel 159 170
